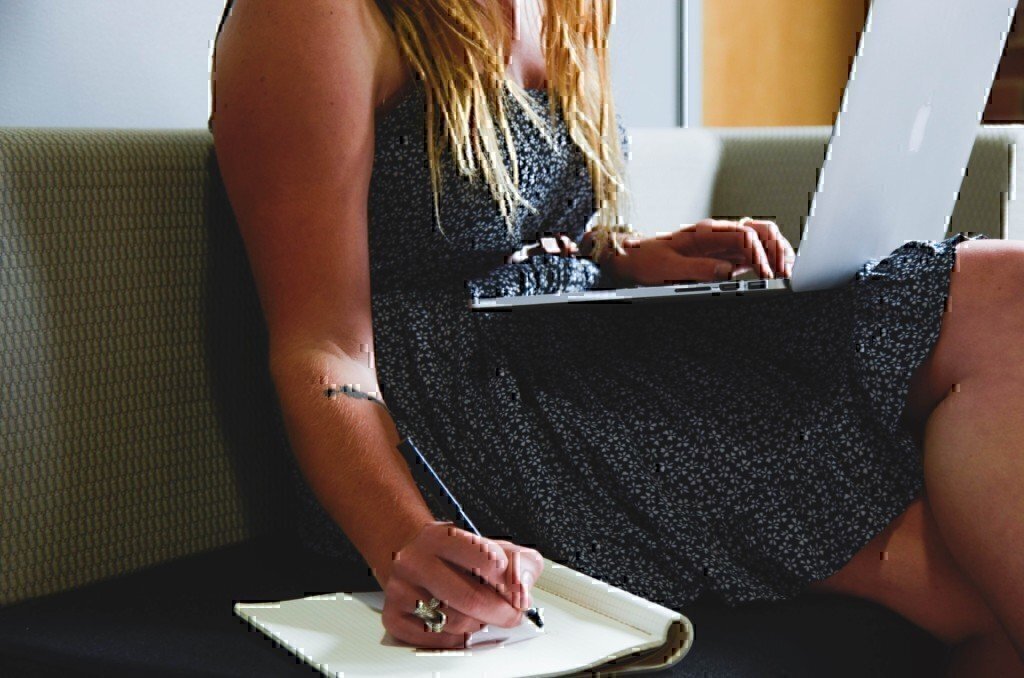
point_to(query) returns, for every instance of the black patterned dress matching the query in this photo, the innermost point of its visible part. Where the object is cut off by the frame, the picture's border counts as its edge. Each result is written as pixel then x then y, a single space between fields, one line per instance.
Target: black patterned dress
pixel 740 449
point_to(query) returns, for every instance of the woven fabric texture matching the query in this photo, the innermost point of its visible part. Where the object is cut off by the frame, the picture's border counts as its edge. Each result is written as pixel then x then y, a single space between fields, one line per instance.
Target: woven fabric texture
pixel 135 405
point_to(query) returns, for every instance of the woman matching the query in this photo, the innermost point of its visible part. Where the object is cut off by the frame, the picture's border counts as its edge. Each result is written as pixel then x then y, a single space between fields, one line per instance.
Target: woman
pixel 749 451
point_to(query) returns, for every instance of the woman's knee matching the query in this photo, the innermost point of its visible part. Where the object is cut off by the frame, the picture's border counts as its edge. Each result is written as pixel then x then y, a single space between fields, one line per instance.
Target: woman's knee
pixel 984 315
pixel 983 319
pixel 985 285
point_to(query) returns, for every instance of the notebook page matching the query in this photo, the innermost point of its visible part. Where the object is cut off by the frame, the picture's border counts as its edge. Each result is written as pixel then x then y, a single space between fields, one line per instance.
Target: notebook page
pixel 606 600
pixel 343 634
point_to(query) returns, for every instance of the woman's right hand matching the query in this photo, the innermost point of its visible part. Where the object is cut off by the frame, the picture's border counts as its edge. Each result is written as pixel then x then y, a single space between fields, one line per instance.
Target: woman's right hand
pixel 479 581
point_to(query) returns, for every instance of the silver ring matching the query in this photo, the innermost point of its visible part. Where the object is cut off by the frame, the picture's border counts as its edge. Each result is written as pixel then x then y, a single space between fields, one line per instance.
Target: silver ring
pixel 429 613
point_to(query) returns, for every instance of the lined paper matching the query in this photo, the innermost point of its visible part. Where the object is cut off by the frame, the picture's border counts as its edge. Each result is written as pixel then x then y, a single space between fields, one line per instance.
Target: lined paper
pixel 587 624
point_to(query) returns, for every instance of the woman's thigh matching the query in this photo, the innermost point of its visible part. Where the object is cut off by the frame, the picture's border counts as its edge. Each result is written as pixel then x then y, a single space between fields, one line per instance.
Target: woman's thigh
pixel 908 569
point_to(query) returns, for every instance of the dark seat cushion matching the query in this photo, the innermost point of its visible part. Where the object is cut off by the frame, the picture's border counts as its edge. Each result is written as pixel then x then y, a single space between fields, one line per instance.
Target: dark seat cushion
pixel 176 619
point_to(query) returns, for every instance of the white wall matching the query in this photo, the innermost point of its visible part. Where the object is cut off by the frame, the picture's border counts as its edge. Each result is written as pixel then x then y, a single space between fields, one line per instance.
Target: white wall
pixel 146 64
pixel 645 57
pixel 106 63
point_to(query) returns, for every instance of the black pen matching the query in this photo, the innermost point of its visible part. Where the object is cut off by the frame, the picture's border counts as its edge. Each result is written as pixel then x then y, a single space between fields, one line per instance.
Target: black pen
pixel 424 473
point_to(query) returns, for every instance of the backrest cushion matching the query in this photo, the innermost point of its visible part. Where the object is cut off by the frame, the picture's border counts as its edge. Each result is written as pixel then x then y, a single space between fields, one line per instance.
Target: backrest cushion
pixel 138 420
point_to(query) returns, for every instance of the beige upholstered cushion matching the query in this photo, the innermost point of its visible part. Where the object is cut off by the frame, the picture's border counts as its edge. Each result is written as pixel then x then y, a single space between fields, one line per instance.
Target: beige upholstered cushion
pixel 136 424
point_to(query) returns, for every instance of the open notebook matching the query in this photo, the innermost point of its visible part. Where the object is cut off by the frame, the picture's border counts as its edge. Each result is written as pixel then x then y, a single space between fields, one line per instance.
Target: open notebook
pixel 588 626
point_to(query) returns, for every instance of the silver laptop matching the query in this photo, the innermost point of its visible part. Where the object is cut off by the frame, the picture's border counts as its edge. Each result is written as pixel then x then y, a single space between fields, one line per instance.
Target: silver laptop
pixel 897 155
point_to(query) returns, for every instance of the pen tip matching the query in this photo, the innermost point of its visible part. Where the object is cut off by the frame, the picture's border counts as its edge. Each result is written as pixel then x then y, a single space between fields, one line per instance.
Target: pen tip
pixel 533 614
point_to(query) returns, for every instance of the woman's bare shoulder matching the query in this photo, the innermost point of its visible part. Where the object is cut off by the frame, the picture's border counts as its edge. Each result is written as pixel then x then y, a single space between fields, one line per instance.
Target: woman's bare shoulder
pixel 294 140
pixel 360 24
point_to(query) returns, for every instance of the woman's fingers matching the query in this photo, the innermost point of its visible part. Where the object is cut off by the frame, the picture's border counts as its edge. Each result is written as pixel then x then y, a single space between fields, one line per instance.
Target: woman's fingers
pixel 569 247
pixel 467 594
pixel 467 569
pixel 754 250
pixel 483 558
pixel 464 568
pixel 560 244
pixel 524 569
pixel 464 572
pixel 557 244
pixel 399 620
pixel 728 240
pixel 778 248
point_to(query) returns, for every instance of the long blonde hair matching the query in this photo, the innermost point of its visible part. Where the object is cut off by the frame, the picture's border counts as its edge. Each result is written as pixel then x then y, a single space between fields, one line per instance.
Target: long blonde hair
pixel 458 49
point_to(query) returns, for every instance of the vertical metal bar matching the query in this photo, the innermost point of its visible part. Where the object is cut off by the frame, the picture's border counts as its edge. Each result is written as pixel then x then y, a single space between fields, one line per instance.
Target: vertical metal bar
pixel 690 63
pixel 681 63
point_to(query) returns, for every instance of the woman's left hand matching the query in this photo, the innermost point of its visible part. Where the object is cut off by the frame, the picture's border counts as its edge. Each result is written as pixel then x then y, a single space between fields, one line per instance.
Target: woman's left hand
pixel 709 250
pixel 559 244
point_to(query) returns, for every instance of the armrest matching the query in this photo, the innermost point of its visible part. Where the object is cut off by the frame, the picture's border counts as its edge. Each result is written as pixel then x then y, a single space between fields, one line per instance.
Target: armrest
pixel 772 172
pixel 138 421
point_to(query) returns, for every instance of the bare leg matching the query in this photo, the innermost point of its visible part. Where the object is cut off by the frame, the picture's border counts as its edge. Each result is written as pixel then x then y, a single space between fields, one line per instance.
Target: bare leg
pixel 974 472
pixel 963 582
pixel 984 656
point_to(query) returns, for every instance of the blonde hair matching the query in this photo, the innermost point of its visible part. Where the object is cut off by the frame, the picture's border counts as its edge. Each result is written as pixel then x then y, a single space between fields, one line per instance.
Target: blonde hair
pixel 458 49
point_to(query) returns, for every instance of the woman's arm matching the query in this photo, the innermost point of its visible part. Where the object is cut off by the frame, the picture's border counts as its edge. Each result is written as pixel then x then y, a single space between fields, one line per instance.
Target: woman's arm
pixel 347 451
pixel 294 136
pixel 297 89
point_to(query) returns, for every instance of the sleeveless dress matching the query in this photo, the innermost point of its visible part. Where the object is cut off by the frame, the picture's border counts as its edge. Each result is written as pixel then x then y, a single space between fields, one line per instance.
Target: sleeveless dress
pixel 738 449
